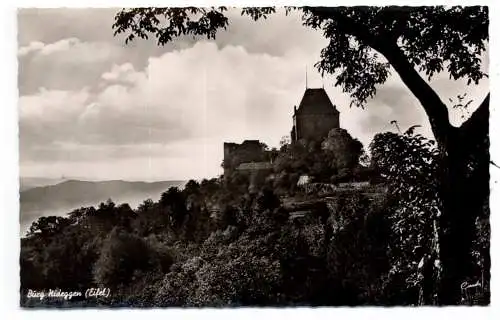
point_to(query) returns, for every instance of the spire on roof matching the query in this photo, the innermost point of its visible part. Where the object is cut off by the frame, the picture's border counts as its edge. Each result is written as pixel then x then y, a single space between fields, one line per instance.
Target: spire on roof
pixel 306 77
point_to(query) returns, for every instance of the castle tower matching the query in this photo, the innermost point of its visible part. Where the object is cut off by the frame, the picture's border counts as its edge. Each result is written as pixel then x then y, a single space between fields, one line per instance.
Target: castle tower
pixel 315 116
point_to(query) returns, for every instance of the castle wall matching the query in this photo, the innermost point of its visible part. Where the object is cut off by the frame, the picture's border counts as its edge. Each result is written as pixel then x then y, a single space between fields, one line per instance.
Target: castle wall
pixel 229 148
pixel 248 151
pixel 315 126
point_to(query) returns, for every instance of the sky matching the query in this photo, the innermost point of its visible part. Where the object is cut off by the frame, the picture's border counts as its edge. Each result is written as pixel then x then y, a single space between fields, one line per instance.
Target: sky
pixel 92 107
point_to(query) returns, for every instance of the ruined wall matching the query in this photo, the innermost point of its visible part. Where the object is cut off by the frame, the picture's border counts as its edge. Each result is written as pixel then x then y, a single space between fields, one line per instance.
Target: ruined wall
pixel 248 151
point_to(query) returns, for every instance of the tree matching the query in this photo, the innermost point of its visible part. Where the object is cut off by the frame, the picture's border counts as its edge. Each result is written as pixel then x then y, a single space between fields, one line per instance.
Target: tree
pixel 364 43
pixel 48 226
pixel 173 202
pixel 146 205
pixel 342 149
pixel 191 187
pixel 409 163
pixel 121 254
pixel 356 257
pixel 209 187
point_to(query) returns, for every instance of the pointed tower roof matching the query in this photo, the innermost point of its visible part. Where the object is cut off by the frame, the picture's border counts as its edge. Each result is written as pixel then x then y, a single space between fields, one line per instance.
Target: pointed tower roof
pixel 316 101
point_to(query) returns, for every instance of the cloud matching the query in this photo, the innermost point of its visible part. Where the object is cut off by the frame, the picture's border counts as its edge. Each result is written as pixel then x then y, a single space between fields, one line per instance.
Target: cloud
pixel 47 49
pixel 204 86
pixel 67 64
pixel 185 103
pixel 87 50
pixel 32 47
pixel 119 72
pixel 51 25
pixel 92 107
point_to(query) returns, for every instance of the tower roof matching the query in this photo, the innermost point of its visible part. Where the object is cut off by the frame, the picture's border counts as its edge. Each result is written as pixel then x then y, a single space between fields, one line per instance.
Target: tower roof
pixel 316 101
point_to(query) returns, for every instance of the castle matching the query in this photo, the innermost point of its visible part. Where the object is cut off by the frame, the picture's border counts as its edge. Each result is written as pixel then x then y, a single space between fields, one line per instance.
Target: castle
pixel 312 120
pixel 315 116
pixel 251 154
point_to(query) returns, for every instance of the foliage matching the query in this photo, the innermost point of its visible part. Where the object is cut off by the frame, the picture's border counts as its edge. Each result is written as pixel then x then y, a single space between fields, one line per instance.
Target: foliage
pixel 120 256
pixel 430 38
pixel 43 257
pixel 211 244
pixel 181 21
pixel 342 151
pixel 357 257
pixel 47 226
pixel 215 243
pixel 462 105
pixel 409 164
pixel 334 159
pixel 365 44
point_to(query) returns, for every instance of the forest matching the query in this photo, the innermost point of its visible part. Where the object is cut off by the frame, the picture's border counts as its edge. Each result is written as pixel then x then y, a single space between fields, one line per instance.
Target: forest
pixel 233 241
pixel 220 243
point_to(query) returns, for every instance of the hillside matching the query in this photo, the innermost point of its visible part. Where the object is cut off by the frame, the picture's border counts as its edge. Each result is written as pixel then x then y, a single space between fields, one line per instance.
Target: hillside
pixel 26 183
pixel 63 197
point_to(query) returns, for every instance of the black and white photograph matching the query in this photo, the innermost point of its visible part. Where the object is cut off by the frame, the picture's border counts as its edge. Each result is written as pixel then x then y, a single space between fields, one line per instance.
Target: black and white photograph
pixel 265 157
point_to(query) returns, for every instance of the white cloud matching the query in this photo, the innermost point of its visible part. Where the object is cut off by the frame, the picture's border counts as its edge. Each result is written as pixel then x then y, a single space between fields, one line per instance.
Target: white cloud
pixel 33 46
pixel 119 72
pixel 67 64
pixel 189 101
pixel 204 86
pixel 47 49
pixel 167 116
pixel 52 105
pixel 61 45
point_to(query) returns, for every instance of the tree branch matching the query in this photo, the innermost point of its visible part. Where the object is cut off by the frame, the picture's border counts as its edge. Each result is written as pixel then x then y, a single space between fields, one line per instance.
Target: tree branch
pixel 474 132
pixel 480 117
pixel 436 110
pixel 493 163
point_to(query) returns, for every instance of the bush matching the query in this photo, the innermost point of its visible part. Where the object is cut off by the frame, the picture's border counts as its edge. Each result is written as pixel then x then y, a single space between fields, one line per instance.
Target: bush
pixel 122 254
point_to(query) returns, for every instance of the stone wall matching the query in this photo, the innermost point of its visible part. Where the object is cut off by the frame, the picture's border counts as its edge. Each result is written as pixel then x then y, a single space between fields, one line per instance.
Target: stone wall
pixel 250 151
pixel 315 126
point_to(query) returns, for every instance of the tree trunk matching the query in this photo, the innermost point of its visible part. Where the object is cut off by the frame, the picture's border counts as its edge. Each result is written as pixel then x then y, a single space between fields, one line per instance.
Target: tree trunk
pixel 465 174
pixel 456 225
pixel 465 191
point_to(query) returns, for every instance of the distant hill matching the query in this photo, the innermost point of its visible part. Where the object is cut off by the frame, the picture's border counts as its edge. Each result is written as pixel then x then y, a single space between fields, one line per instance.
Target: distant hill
pixel 26 183
pixel 63 197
